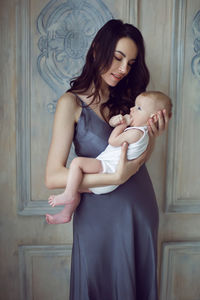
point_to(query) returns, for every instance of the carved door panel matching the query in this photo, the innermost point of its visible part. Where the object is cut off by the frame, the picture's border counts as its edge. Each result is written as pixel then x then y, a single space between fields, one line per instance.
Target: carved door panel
pixel 180 222
pixel 43 46
pixel 172 35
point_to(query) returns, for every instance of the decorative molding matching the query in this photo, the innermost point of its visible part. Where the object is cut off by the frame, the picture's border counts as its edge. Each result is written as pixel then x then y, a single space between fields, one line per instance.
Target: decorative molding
pixel 173 202
pixel 195 64
pixel 174 256
pixel 23 105
pixel 66 31
pixel 26 261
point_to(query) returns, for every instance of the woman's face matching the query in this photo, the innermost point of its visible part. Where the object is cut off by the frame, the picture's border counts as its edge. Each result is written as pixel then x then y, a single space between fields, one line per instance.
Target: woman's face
pixel 125 55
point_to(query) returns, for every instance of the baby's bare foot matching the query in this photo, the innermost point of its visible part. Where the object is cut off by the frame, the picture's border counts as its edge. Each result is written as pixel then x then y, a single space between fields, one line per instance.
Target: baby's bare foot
pixel 65 215
pixel 64 198
pixel 55 200
pixel 59 218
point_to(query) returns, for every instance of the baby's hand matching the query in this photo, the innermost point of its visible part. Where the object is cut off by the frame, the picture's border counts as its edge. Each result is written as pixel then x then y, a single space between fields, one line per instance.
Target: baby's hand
pixel 127 119
pixel 116 120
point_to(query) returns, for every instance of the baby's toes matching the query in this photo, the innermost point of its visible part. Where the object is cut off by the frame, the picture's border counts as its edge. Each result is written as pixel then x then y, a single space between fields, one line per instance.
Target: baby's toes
pixel 51 203
pixel 48 219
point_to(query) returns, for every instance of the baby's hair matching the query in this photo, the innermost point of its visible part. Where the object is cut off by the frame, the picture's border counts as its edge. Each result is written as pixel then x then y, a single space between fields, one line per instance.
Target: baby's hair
pixel 161 101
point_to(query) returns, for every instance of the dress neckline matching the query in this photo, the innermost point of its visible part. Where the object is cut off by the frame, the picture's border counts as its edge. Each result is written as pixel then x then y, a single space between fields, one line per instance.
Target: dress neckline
pixel 87 106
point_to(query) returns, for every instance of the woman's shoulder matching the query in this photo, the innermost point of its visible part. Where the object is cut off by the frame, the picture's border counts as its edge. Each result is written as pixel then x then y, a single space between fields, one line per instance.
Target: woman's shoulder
pixel 68 103
pixel 67 98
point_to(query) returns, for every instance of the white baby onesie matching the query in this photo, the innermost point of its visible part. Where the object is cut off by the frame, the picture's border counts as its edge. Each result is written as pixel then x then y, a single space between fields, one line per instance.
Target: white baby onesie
pixel 110 157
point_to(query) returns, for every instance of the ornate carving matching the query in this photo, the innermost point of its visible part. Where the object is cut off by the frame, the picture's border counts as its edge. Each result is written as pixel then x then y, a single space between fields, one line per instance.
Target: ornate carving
pixel 67 29
pixel 196 59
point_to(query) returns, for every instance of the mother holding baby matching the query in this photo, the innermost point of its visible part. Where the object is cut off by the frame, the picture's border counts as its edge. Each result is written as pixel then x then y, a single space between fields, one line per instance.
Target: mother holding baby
pixel 114 253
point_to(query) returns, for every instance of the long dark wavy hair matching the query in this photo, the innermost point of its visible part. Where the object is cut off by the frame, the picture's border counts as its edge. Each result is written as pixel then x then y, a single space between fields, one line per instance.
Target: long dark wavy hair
pixel 99 59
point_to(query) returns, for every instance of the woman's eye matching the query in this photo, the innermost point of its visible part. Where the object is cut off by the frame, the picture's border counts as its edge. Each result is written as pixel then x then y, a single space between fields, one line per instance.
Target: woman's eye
pixel 117 58
pixel 139 108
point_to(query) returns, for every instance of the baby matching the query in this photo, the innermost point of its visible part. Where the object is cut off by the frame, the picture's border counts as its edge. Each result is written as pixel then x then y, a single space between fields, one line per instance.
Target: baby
pixel 131 128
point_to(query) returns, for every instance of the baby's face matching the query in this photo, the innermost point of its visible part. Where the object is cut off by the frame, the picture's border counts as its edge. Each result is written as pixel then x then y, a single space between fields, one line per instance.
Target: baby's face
pixel 142 111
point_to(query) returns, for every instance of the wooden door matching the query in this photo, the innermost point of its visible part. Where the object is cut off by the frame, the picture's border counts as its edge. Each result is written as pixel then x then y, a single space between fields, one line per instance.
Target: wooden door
pixel 43 45
pixel 172 33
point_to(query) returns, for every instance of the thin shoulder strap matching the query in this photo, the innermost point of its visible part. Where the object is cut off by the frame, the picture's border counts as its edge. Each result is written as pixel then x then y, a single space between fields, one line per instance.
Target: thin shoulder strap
pixel 83 104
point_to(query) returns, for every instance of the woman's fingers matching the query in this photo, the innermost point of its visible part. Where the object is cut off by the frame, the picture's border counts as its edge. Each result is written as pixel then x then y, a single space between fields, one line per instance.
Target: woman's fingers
pixel 161 122
pixel 123 157
pixel 152 128
pixel 139 161
pixel 166 118
pixel 84 190
pixel 142 158
pixel 157 128
pixel 124 152
pixel 121 168
pixel 127 168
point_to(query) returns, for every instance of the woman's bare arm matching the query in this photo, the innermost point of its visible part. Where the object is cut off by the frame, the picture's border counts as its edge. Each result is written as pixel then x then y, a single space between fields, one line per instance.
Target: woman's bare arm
pixel 67 111
pixel 67 114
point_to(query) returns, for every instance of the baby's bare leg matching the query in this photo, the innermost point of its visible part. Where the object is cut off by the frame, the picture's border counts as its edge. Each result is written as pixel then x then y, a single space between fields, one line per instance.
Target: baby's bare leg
pixel 65 215
pixel 78 167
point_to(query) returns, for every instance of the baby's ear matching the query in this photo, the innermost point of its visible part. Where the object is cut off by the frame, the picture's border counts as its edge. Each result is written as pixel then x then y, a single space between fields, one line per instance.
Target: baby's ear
pixel 154 117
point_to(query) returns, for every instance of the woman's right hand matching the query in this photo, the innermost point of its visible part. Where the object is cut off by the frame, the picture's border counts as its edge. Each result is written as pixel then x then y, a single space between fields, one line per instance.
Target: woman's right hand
pixel 162 121
pixel 126 168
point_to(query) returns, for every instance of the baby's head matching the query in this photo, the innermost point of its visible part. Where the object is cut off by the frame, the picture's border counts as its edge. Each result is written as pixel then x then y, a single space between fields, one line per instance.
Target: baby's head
pixel 147 104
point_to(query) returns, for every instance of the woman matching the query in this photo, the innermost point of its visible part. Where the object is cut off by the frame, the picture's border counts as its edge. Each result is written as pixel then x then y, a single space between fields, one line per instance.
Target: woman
pixel 115 234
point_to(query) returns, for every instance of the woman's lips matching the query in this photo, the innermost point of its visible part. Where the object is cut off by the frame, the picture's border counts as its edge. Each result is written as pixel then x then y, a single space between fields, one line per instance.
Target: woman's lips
pixel 116 76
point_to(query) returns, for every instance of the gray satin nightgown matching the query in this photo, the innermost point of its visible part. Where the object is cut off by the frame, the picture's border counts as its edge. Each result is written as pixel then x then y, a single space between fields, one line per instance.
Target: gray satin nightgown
pixel 115 234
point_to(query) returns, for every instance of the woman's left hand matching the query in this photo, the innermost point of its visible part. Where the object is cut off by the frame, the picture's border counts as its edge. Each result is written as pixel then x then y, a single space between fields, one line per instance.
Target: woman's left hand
pixel 157 128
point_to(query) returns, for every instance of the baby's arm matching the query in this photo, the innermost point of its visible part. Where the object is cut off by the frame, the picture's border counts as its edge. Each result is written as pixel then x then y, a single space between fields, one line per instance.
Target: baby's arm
pixel 118 130
pixel 119 136
pixel 128 119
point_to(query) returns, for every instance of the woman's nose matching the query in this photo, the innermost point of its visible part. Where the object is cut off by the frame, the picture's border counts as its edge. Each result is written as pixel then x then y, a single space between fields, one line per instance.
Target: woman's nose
pixel 123 68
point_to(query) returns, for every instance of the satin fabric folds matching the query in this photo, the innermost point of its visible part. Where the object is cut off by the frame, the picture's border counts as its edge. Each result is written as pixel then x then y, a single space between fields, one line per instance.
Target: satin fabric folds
pixel 115 234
